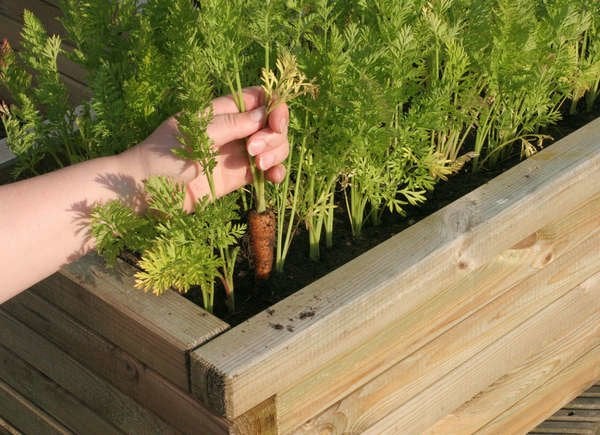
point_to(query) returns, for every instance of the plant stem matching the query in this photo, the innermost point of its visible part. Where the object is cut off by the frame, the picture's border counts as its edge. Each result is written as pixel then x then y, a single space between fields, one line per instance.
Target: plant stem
pixel 208 296
pixel 284 245
pixel 355 206
pixel 329 222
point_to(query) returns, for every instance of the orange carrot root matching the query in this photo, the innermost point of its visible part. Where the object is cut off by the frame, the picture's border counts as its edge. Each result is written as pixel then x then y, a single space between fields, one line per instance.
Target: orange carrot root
pixel 262 242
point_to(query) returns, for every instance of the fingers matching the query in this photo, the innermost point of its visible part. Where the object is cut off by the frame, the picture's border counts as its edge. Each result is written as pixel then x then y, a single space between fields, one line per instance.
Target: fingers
pixel 279 118
pixel 276 174
pixel 268 148
pixel 253 97
pixel 270 145
pixel 228 127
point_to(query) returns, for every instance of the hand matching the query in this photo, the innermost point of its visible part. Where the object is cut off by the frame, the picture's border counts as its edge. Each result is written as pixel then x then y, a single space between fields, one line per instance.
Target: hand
pixel 266 140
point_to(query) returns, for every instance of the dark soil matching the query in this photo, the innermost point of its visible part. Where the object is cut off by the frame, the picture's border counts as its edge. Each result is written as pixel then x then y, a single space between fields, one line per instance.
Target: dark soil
pixel 252 296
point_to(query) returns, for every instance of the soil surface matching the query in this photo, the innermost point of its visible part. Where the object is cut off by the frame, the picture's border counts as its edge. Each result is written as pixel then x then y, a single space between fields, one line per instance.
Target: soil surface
pixel 252 297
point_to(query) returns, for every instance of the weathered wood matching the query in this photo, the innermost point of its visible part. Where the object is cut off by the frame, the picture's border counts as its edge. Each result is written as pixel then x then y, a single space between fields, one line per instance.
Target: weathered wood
pixel 563 428
pixel 158 331
pixel 123 371
pixel 98 395
pixel 437 360
pixel 343 375
pixel 50 397
pixel 593 392
pixel 569 414
pixel 341 311
pixel 541 403
pixel 517 385
pixel 501 357
pixel 25 416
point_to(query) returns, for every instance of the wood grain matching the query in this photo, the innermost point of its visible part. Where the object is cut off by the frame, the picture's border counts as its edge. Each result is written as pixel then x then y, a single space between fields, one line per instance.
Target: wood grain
pixel 519 384
pixel 50 397
pixel 438 359
pixel 541 403
pixel 158 331
pixel 259 420
pixel 345 374
pixel 25 416
pixel 254 361
pixel 581 416
pixel 498 359
pixel 95 393
pixel 123 371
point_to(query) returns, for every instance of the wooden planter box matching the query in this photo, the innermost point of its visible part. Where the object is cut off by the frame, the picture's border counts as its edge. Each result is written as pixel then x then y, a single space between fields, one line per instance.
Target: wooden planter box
pixel 483 316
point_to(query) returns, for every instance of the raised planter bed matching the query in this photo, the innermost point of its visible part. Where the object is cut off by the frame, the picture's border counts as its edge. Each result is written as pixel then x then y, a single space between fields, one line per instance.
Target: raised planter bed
pixel 483 316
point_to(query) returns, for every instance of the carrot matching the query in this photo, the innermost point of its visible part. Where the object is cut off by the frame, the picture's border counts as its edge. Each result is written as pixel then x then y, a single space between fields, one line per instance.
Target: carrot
pixel 262 242
pixel 261 221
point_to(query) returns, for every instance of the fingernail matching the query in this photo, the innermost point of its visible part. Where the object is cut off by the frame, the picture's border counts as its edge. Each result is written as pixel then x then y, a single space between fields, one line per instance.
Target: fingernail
pixel 256 147
pixel 257 114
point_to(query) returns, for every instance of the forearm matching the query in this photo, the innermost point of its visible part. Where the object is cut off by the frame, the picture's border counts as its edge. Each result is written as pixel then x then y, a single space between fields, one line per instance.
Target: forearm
pixel 44 221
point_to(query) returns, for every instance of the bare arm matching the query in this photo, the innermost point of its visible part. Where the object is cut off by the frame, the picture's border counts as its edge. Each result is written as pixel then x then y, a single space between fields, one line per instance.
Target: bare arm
pixel 44 220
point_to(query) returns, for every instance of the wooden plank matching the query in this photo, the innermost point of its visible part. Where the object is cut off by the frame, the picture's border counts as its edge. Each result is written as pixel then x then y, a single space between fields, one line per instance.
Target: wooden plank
pixel 531 337
pixel 98 395
pixel 521 382
pixel 586 403
pixel 158 331
pixel 438 359
pixel 24 415
pixel 242 368
pixel 131 377
pixel 345 374
pixel 567 413
pixel 592 392
pixel 562 428
pixel 46 12
pixel 50 397
pixel 541 403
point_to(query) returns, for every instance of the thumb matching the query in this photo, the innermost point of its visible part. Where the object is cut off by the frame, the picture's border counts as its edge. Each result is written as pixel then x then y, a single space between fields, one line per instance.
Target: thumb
pixel 228 127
